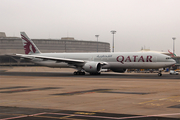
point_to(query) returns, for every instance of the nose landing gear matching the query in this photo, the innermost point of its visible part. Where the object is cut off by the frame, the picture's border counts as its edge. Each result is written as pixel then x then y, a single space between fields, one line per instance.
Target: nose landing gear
pixel 159 74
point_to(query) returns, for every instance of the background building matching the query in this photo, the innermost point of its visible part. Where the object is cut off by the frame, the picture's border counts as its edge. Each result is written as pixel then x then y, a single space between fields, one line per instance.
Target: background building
pixel 10 45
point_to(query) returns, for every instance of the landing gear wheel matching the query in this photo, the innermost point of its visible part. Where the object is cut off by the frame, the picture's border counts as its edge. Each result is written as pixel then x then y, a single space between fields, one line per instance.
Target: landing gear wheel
pixel 95 73
pixel 79 73
pixel 159 74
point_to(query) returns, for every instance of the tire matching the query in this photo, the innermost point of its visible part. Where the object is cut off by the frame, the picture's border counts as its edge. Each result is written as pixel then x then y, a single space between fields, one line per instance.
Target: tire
pixel 159 74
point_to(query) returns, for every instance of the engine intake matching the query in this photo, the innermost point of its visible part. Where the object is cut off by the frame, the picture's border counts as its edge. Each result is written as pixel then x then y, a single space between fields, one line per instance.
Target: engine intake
pixel 92 67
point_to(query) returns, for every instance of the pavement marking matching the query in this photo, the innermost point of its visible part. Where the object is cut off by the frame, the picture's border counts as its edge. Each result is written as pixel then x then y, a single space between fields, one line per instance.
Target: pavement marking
pixel 10 114
pixel 53 117
pixel 84 114
pixel 161 99
pixel 147 102
pixel 22 116
pixel 14 117
pixel 99 110
pixel 156 104
pixel 106 117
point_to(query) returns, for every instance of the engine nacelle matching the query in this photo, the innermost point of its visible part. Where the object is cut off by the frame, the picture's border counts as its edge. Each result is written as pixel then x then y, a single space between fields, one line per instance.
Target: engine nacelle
pixel 119 70
pixel 92 67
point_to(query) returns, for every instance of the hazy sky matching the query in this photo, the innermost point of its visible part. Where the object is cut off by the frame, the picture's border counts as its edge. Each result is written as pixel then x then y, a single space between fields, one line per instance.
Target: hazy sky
pixel 139 23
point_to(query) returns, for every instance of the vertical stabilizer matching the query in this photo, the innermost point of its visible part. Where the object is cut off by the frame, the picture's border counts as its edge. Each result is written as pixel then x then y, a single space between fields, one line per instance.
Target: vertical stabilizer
pixel 29 46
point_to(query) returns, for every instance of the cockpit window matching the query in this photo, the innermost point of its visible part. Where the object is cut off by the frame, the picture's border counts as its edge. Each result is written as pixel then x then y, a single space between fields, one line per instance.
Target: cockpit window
pixel 168 58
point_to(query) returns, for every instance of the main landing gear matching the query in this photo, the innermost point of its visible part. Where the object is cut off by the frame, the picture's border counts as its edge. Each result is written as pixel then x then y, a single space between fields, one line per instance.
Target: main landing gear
pixel 159 74
pixel 79 73
pixel 95 73
pixel 83 73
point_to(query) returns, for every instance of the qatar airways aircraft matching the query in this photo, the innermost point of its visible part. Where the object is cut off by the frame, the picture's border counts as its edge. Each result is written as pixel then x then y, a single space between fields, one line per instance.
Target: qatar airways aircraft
pixel 93 63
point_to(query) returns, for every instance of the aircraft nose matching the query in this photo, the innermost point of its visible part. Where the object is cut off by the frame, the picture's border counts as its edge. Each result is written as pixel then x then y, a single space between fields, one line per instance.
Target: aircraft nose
pixel 173 61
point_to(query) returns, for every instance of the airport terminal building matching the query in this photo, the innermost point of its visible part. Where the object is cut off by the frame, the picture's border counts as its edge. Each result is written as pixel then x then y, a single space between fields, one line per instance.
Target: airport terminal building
pixel 10 45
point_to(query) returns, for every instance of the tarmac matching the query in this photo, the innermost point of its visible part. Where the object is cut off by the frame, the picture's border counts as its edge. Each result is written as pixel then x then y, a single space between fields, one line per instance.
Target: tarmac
pixel 34 93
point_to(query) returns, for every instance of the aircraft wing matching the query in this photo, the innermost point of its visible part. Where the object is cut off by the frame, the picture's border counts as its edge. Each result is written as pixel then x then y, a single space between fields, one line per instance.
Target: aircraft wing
pixel 31 57
pixel 69 61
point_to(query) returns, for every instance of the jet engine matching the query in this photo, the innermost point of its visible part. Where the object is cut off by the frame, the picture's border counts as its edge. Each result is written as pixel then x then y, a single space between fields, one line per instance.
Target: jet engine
pixel 119 70
pixel 92 67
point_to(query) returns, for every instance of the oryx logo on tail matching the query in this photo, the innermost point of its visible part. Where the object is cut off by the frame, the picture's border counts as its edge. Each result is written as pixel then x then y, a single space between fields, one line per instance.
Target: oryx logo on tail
pixel 29 46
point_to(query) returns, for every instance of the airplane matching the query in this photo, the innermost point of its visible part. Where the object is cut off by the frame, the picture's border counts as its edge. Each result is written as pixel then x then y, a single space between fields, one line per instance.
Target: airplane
pixel 93 63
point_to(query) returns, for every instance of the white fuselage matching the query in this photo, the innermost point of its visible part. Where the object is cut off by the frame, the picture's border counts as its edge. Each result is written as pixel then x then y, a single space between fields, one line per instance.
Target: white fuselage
pixel 127 60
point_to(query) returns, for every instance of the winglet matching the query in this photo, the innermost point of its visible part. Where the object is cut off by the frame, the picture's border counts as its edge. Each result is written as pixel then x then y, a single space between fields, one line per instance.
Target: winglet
pixel 29 46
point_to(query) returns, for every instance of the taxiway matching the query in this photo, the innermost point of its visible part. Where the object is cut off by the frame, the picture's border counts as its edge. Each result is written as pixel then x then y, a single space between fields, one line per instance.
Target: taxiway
pixel 49 93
